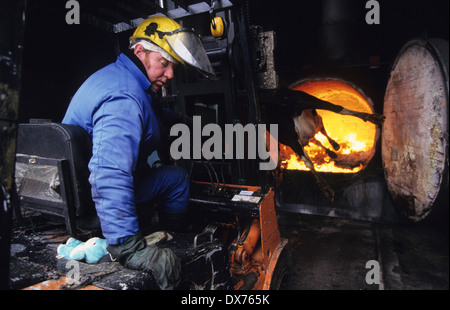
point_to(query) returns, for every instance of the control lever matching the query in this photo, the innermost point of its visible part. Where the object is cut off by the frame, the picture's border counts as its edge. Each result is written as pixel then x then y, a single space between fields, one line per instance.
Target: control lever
pixel 209 229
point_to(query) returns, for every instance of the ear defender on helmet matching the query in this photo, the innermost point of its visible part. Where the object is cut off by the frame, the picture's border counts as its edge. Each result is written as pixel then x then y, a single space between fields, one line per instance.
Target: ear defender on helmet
pixel 219 28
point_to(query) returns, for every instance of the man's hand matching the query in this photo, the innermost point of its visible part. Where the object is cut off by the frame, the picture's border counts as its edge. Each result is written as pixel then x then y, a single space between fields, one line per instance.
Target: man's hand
pixel 161 262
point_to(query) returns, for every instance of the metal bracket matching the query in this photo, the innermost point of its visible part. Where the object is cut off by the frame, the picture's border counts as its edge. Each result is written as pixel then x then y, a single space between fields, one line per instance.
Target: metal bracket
pixel 209 229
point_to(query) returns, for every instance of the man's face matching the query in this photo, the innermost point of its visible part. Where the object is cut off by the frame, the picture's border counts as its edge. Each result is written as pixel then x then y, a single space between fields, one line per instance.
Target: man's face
pixel 159 70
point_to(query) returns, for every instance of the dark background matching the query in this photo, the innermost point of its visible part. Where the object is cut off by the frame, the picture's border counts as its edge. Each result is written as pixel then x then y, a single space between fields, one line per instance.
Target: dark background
pixel 58 57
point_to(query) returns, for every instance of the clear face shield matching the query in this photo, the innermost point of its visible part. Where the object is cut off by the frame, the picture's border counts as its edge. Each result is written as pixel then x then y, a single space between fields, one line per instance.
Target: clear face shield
pixel 188 46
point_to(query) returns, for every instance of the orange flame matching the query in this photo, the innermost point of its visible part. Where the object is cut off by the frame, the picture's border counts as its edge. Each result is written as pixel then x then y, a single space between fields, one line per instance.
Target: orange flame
pixel 355 137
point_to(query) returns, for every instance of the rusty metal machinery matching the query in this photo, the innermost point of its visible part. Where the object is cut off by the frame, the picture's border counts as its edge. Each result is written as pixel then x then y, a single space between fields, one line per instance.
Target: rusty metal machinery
pixel 245 218
pixel 236 204
pixel 234 243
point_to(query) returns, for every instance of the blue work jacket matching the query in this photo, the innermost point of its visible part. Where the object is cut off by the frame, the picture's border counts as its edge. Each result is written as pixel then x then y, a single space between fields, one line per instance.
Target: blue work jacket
pixel 114 107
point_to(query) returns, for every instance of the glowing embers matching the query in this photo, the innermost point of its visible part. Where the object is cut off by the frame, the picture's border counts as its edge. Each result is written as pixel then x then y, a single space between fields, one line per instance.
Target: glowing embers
pixel 357 139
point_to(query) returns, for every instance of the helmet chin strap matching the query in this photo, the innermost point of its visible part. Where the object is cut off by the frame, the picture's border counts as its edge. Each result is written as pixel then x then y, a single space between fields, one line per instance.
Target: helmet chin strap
pixel 154 48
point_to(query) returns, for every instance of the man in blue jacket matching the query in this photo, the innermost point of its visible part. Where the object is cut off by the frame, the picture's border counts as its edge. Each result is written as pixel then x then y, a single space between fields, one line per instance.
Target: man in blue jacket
pixel 115 107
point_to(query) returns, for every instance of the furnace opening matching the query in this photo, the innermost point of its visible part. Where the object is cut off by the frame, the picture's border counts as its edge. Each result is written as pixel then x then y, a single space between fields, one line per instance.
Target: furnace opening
pixel 357 139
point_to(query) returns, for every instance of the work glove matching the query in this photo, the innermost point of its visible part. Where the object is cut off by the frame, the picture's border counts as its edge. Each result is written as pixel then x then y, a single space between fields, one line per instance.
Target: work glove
pixel 161 262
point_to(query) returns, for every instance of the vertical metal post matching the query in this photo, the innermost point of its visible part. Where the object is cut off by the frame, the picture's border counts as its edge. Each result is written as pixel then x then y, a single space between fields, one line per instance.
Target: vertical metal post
pixel 254 114
pixel 12 20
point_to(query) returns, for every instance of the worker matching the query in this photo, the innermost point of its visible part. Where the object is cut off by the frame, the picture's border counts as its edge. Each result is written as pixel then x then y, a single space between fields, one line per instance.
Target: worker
pixel 114 105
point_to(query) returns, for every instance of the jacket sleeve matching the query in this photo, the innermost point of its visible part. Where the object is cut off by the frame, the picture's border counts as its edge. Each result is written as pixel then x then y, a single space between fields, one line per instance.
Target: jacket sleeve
pixel 117 130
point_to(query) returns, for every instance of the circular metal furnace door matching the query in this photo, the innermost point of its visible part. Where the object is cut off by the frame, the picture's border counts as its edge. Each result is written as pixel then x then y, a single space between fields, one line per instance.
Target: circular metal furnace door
pixel 415 133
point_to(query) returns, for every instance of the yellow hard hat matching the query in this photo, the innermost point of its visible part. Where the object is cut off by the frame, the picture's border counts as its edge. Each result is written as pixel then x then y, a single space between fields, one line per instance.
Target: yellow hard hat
pixel 181 43
pixel 147 30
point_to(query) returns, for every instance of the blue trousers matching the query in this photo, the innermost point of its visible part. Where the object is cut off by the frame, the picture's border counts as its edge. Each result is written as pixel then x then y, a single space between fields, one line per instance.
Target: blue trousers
pixel 168 184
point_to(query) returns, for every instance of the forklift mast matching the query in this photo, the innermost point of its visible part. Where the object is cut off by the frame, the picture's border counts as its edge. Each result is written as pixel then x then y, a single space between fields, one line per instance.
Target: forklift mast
pixel 242 58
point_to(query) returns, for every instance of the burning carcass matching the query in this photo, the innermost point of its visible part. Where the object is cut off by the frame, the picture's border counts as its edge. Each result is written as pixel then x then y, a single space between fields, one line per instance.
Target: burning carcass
pixel 306 114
